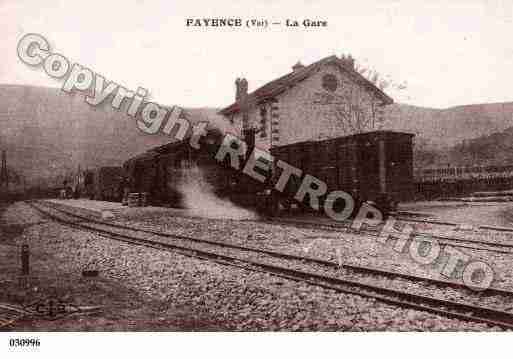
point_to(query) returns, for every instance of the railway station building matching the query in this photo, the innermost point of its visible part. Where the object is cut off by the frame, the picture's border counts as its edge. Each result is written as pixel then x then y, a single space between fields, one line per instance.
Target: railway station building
pixel 326 99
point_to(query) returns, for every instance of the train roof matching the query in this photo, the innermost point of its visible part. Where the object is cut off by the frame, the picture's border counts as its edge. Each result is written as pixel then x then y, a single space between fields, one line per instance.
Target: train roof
pixel 379 133
pixel 173 146
pixel 147 155
pixel 169 147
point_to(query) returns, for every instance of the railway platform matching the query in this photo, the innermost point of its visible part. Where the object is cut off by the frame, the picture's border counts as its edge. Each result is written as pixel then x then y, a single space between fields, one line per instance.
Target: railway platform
pixel 495 215
pixel 99 209
pixel 111 210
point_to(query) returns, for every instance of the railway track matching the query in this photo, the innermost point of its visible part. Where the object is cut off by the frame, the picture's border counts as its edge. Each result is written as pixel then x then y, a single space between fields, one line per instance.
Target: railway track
pixel 318 272
pixel 497 247
pixel 313 260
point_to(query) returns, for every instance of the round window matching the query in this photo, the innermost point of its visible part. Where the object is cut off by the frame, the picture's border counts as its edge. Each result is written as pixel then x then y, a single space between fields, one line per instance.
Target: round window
pixel 329 82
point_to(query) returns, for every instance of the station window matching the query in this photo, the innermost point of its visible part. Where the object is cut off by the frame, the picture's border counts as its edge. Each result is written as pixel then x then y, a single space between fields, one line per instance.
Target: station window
pixel 263 122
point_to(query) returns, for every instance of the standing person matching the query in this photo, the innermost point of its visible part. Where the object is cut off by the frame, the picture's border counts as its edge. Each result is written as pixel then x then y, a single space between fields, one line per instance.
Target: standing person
pixel 67 190
pixel 63 189
pixel 125 186
pixel 122 189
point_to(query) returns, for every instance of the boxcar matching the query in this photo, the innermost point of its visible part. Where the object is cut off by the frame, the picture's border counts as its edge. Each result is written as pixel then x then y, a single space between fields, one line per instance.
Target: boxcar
pixel 374 166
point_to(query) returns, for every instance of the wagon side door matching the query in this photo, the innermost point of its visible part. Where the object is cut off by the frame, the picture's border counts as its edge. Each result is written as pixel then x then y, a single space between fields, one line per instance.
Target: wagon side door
pixel 347 162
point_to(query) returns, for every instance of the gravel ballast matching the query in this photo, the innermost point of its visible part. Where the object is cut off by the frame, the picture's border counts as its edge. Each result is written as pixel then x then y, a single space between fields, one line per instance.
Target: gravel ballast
pixel 231 298
pixel 462 294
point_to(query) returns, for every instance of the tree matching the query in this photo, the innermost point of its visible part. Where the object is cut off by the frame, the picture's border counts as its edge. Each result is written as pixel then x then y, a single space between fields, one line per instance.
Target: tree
pixel 357 114
pixel 358 111
pixel 373 76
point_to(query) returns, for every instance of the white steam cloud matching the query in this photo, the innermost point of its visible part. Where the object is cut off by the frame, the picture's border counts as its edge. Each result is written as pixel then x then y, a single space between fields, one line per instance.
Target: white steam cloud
pixel 199 198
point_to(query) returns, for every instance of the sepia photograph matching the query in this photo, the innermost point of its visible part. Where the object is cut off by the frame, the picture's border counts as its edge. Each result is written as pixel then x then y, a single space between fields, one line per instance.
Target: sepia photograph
pixel 272 173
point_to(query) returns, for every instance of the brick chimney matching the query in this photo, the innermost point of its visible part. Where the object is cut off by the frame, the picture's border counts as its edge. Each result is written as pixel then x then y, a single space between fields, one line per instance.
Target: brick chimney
pixel 237 89
pixel 242 99
pixel 241 89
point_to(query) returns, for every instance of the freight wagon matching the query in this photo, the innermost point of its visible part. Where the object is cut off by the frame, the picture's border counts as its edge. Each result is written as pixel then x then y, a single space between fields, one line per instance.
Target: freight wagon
pixel 375 166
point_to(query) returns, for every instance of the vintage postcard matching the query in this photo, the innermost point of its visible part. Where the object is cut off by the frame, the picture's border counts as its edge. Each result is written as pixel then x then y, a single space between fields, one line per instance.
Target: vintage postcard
pixel 265 166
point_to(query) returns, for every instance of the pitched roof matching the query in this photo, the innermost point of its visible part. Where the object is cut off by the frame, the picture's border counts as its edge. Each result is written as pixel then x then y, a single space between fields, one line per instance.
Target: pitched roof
pixel 281 84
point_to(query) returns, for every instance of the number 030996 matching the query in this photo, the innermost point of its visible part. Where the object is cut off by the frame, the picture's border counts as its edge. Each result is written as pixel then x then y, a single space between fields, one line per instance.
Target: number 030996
pixel 24 342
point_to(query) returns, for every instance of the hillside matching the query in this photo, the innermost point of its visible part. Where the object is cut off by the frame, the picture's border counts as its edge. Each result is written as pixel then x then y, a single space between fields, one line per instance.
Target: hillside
pixel 446 127
pixel 438 131
pixel 46 131
pixel 493 149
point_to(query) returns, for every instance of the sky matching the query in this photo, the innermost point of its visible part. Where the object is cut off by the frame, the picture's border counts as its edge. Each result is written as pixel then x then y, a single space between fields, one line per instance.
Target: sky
pixel 447 53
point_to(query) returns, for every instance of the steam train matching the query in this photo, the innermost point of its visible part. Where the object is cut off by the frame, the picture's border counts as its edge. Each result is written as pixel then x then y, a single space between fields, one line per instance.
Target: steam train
pixel 375 166
pixel 162 171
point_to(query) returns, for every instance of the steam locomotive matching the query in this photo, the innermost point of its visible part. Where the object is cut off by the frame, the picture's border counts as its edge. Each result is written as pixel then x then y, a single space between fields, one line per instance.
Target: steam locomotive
pixel 375 166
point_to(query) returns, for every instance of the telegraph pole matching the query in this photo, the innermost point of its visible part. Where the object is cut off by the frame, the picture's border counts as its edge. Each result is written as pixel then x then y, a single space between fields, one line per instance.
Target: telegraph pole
pixel 4 176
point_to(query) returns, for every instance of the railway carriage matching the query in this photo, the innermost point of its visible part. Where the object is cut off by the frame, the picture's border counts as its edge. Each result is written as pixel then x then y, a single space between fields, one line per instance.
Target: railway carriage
pixel 375 166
